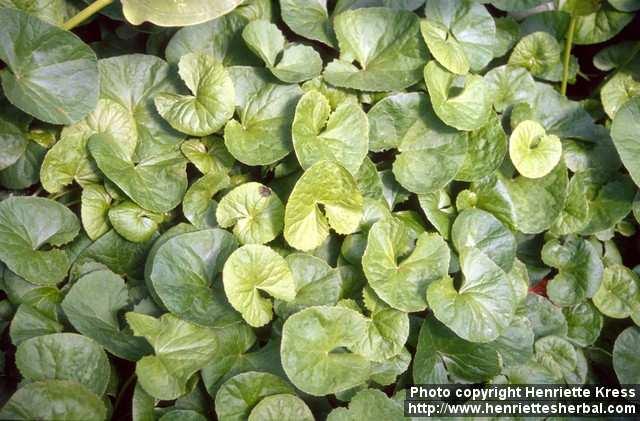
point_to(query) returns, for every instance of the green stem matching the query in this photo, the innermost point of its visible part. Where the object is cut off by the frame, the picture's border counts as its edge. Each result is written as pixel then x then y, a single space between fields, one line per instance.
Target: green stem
pixel 86 13
pixel 567 55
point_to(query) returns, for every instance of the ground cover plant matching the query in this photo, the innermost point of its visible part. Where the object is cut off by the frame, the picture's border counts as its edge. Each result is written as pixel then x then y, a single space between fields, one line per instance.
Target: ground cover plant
pixel 291 210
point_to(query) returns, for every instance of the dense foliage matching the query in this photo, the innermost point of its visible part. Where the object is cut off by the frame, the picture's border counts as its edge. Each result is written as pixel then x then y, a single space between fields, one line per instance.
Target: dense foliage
pixel 291 210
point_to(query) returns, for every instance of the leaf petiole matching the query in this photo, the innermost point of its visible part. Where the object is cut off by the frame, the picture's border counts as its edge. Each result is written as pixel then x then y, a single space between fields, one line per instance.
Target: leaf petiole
pixel 86 13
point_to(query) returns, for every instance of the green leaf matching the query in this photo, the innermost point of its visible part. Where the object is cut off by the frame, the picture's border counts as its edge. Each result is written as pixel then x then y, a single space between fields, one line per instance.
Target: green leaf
pixel 51 74
pixel 441 355
pixel 584 322
pixel 439 211
pixel 183 271
pixel 546 318
pixel 293 64
pixel 486 149
pixel 239 395
pixel 431 153
pixel 530 205
pixel 198 206
pixel 317 283
pixel 460 34
pixel 475 228
pixel 509 85
pixel 386 46
pixel 515 345
pixel 170 13
pixel 255 212
pixel 208 154
pixel 64 356
pixel 182 415
pixel 309 19
pixel 557 355
pixel 515 5
pixel 317 350
pixel 625 5
pixel 330 185
pixel 213 100
pixel 157 184
pixel 600 26
pixel 610 198
pixel 133 81
pixel 575 215
pixel 94 210
pixel 369 404
pixel 626 362
pixel 51 11
pixel 463 102
pixel 622 86
pixel 532 151
pixel 69 160
pixel 403 283
pixel 279 407
pixel 387 330
pixel 262 135
pixel 623 131
pixel 13 135
pixel 181 349
pixel 253 269
pixel 579 267
pixel 134 223
pixel 219 38
pixel 54 399
pixel 25 171
pixel 482 308
pixel 538 52
pixel 320 134
pixel 92 306
pixel 619 294
pixel 26 225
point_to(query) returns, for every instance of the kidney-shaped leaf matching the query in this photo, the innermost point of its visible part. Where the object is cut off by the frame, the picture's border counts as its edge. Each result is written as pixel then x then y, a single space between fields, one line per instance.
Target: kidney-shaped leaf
pixel 69 160
pixel 183 270
pixel 619 293
pixel 54 400
pixel 579 270
pixel 262 135
pixel 532 151
pixel 181 349
pixel 157 184
pixel 317 350
pixel 403 283
pixel 134 223
pixel 93 304
pixel 292 64
pixel 253 269
pixel 330 185
pixel 172 13
pixel 26 225
pixel 279 407
pixel 624 132
pixel 51 73
pixel 626 361
pixel 213 100
pixel 463 102
pixel 441 353
pixel 460 34
pixel 237 397
pixel 255 212
pixel 64 356
pixel 479 229
pixel 320 134
pixel 386 45
pixel 482 308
